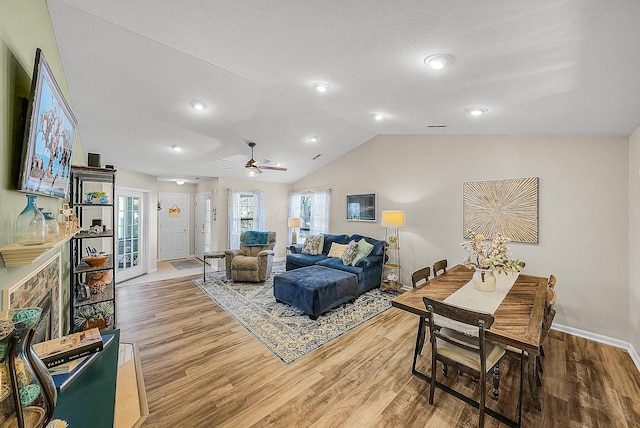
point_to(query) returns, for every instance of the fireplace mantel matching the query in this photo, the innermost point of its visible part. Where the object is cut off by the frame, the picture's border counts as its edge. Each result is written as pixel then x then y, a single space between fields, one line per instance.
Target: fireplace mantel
pixel 17 255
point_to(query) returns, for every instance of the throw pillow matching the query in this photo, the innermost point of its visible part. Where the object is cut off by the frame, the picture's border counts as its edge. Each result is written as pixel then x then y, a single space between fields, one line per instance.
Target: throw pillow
pixel 337 250
pixel 364 249
pixel 313 245
pixel 350 253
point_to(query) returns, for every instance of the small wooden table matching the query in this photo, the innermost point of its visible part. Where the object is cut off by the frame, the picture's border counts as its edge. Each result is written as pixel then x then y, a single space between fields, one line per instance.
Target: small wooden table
pixel 518 319
pixel 210 255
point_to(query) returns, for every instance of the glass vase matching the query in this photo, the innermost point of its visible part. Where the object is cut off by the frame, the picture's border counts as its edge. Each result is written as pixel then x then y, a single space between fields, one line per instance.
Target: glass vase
pixel 31 224
pixel 52 226
pixel 27 392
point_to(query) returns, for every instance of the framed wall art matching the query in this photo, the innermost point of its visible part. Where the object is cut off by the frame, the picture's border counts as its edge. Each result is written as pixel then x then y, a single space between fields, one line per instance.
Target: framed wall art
pixel 361 207
pixel 509 207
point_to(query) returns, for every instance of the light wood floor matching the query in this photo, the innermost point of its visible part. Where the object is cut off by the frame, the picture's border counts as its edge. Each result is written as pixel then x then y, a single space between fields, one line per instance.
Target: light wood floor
pixel 202 369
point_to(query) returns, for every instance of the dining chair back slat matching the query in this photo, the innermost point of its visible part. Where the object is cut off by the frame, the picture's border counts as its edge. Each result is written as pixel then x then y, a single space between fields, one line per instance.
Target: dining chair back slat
pixel 440 265
pixel 420 275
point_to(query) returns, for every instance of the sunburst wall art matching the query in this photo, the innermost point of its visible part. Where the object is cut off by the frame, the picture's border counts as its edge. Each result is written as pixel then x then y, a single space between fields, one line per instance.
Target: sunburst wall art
pixel 509 207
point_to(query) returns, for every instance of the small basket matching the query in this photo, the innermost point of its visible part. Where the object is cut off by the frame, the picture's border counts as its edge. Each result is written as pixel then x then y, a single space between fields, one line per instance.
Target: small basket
pixel 33 418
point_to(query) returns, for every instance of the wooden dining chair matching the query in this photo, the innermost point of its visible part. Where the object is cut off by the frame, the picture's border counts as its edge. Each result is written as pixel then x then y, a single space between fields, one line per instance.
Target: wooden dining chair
pixel 475 356
pixel 416 279
pixel 440 265
pixel 420 275
pixel 549 314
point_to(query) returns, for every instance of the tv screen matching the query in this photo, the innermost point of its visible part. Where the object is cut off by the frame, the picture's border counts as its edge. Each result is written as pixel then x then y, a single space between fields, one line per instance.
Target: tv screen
pixel 50 134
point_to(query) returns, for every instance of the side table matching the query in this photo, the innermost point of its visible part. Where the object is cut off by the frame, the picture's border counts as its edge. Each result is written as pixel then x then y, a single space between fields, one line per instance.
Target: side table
pixel 210 255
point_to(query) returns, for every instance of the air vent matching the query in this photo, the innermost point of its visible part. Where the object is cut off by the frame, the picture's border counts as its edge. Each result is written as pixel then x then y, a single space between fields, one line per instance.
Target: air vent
pixel 436 126
pixel 315 157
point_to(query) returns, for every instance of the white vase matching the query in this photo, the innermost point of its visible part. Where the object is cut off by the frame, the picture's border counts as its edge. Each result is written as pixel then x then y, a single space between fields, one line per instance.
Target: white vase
pixel 484 280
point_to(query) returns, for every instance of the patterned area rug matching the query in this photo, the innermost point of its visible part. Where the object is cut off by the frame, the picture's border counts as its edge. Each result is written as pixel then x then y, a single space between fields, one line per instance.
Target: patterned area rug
pixel 284 330
pixel 186 264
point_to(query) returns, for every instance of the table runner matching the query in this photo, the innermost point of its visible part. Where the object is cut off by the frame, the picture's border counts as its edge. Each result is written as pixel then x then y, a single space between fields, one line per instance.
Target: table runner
pixel 469 298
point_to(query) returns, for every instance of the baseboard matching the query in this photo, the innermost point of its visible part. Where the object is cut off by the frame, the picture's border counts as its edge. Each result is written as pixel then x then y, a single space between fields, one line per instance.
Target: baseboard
pixel 634 356
pixel 602 339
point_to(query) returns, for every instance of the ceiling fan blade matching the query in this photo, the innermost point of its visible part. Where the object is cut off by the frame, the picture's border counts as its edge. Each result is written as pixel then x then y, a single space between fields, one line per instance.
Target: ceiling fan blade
pixel 274 168
pixel 231 162
pixel 263 161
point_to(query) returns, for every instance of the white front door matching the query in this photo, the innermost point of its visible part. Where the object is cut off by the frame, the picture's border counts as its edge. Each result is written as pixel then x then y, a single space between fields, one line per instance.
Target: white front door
pixel 203 224
pixel 131 248
pixel 173 225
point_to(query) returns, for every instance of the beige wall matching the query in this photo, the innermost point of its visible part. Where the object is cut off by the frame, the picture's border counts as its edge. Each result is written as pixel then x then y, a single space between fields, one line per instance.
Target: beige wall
pixel 583 208
pixel 634 240
pixel 24 26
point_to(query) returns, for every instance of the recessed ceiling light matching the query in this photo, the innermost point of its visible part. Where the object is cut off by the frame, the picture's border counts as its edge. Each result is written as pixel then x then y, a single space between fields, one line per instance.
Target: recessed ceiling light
pixel 438 61
pixel 321 87
pixel 179 182
pixel 379 116
pixel 176 148
pixel 313 139
pixel 198 105
pixel 477 111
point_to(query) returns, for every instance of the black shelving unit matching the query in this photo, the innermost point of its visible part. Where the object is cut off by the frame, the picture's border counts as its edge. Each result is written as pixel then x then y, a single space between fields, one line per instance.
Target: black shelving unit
pixel 89 179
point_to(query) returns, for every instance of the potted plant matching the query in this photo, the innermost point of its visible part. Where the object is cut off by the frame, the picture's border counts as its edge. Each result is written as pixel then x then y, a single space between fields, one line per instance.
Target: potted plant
pixel 90 316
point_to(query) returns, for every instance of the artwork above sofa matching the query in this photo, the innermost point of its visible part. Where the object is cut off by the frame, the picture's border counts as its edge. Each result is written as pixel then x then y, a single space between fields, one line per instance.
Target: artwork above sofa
pixel 366 264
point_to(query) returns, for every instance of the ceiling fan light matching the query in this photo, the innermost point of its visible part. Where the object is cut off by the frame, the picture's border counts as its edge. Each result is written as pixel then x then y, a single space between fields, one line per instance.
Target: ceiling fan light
pixel 251 171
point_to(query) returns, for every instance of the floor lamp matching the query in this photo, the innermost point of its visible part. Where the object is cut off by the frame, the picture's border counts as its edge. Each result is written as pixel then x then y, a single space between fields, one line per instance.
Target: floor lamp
pixel 392 220
pixel 293 223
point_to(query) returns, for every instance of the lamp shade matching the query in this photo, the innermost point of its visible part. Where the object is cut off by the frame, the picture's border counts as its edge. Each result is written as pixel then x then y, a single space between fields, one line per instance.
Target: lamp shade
pixel 393 218
pixel 294 222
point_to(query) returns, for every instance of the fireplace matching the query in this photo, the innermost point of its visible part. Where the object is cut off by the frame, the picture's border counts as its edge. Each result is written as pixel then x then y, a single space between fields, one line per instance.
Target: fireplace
pixel 44 329
pixel 41 288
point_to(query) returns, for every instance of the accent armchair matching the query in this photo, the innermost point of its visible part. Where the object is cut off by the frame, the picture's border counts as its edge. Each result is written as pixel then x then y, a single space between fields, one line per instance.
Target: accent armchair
pixel 250 263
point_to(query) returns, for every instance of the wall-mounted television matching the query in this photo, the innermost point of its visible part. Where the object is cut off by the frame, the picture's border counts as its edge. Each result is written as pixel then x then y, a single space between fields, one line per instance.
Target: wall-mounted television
pixel 361 207
pixel 49 137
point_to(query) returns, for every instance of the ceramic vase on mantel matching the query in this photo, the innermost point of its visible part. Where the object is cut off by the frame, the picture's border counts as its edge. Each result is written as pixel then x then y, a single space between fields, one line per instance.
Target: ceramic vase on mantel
pixel 484 280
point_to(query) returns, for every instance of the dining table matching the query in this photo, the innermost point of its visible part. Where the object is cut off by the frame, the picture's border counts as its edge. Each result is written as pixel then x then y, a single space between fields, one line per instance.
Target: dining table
pixel 518 321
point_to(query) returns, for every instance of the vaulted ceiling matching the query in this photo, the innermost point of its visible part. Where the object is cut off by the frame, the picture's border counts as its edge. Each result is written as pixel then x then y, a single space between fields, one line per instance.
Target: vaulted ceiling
pixel 133 68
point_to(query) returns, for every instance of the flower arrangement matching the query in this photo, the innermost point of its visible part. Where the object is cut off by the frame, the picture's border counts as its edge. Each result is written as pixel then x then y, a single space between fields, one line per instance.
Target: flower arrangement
pixel 492 255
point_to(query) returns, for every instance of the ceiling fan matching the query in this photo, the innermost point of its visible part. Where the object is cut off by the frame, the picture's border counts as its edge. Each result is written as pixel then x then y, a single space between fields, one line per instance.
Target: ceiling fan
pixel 253 168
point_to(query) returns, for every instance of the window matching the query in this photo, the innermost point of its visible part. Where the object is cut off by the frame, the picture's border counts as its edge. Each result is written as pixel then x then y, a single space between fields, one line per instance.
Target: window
pixel 313 210
pixel 246 212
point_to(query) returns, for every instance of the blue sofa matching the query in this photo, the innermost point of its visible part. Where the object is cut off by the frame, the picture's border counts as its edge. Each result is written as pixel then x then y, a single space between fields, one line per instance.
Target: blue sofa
pixel 368 270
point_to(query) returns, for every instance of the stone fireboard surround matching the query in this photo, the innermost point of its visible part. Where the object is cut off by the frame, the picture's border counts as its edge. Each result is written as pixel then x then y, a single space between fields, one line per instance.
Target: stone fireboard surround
pixel 30 291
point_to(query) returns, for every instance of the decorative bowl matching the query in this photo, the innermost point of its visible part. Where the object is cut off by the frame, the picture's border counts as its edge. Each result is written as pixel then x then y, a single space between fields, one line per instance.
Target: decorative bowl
pixel 95 260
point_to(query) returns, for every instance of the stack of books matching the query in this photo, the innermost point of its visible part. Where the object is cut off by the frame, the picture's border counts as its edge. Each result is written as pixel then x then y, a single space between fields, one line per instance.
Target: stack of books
pixel 66 357
pixel 68 348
